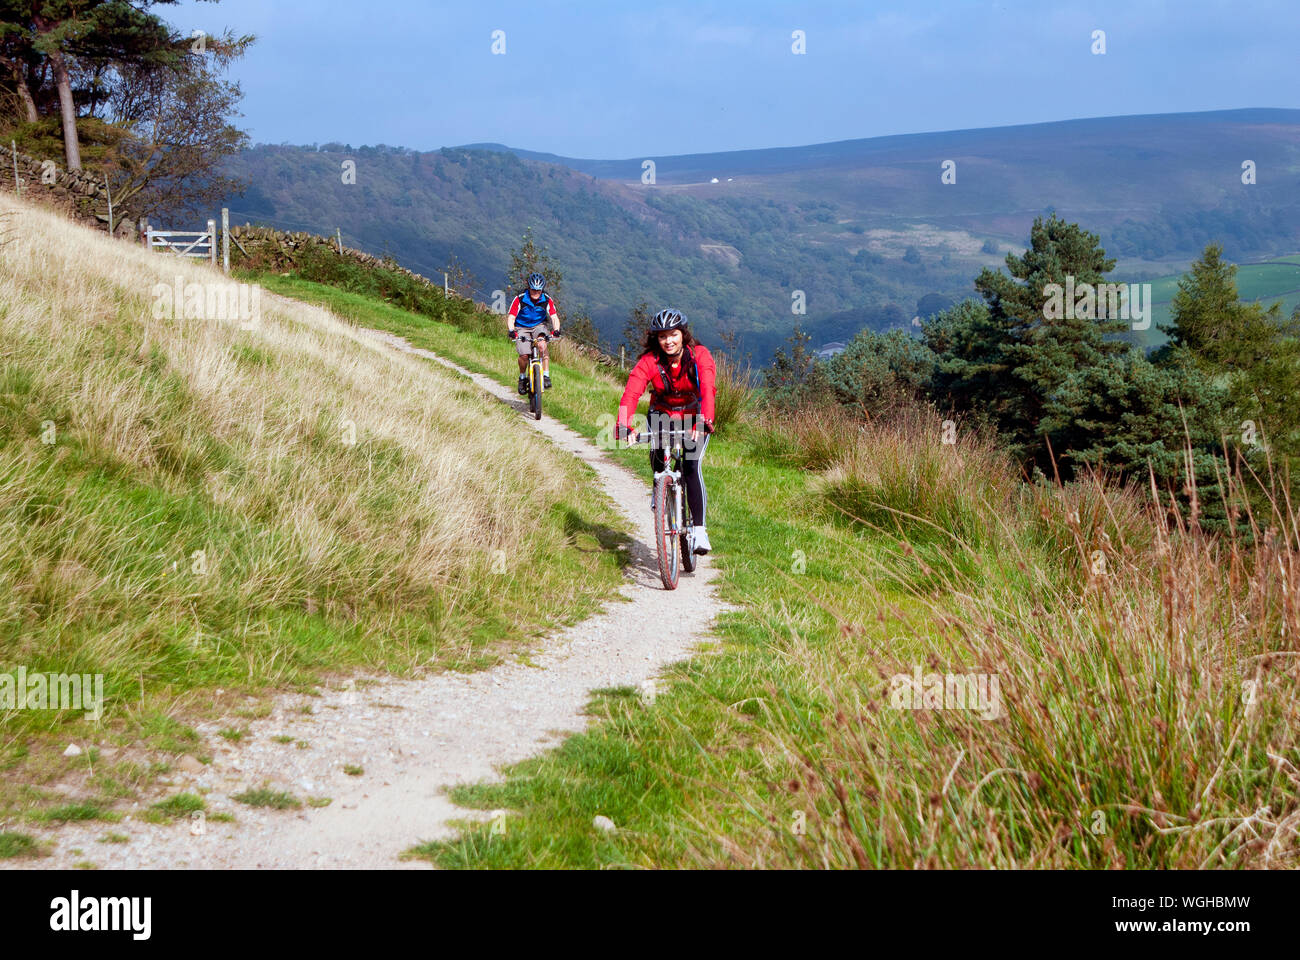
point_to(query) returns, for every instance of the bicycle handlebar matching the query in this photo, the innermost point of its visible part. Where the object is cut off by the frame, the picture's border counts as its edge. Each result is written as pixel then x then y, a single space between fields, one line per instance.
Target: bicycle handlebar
pixel 647 436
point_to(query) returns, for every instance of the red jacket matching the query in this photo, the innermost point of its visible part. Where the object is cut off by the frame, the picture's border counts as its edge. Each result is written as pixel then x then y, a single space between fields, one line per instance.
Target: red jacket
pixel 646 374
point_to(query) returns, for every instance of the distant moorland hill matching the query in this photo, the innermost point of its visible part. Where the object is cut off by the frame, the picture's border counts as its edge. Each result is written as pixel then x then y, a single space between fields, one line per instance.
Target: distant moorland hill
pixel 867 229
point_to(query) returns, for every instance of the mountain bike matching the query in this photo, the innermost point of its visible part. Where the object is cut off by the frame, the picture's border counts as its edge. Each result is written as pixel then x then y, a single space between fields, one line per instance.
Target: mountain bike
pixel 674 532
pixel 536 384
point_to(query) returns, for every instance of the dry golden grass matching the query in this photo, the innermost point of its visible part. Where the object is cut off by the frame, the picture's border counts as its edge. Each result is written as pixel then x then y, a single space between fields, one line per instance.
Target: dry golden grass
pixel 353 504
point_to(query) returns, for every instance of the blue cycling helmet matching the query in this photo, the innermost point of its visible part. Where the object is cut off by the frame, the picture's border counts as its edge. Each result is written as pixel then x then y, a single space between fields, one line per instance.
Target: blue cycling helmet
pixel 668 320
pixel 536 281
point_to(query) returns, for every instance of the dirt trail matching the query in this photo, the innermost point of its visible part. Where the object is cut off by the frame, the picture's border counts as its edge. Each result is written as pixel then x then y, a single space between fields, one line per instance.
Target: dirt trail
pixel 412 738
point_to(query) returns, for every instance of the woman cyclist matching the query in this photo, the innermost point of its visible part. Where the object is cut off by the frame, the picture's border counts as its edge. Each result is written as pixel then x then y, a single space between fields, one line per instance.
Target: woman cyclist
pixel 681 376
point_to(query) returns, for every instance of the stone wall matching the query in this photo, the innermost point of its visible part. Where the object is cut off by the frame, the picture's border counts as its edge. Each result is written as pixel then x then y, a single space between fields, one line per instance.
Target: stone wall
pixel 76 196
pixel 279 249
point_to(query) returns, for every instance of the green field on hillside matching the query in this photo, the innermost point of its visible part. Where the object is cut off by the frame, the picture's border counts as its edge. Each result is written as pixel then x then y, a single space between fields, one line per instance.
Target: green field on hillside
pixel 1269 282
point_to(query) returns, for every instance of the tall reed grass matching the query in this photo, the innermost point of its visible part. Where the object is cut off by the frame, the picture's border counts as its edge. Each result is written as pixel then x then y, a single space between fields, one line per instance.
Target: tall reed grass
pixel 1148 675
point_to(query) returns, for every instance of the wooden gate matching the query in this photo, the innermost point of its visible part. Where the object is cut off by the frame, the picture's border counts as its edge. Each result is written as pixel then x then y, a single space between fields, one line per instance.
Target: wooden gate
pixel 201 245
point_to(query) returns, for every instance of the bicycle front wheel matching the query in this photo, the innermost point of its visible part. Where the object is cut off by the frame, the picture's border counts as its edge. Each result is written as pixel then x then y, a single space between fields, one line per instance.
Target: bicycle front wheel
pixel 665 538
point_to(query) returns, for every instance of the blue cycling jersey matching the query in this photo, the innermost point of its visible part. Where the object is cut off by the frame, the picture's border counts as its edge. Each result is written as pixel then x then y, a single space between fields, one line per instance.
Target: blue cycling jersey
pixel 532 312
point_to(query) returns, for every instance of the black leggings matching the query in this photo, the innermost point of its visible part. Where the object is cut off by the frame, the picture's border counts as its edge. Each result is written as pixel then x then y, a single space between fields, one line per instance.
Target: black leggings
pixel 696 496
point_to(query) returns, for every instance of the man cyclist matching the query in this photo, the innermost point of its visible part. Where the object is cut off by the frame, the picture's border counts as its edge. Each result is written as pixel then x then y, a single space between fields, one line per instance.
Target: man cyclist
pixel 681 376
pixel 527 317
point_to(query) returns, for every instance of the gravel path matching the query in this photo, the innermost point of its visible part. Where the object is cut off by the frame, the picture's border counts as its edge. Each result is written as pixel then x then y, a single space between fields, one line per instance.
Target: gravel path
pixel 411 738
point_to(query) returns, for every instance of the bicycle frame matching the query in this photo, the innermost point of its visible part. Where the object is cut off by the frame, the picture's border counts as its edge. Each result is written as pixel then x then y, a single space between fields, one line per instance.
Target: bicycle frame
pixel 536 373
pixel 673 468
pixel 682 530
pixel 535 358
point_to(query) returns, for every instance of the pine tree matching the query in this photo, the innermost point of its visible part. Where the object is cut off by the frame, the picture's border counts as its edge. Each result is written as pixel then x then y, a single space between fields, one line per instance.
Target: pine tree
pixel 1028 352
pixel 1205 312
pixel 635 328
pixel 60 32
pixel 528 258
pixel 1064 392
pixel 1253 352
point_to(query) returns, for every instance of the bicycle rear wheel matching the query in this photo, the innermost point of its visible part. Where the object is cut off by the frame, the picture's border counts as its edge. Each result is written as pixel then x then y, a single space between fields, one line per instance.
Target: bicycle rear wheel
pixel 665 539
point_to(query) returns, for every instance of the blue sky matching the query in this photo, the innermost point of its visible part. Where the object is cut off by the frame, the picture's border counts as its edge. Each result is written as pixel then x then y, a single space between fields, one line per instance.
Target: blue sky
pixel 638 79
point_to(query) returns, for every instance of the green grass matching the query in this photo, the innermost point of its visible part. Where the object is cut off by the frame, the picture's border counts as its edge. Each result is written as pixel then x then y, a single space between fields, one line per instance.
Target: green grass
pixel 14 845
pixel 263 797
pixel 166 734
pixel 180 805
pixel 70 812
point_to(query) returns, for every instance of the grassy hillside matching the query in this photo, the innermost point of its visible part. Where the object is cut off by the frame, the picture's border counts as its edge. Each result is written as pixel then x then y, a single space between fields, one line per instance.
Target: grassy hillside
pixel 1147 676
pixel 200 511
pixel 865 228
pixel 731 264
